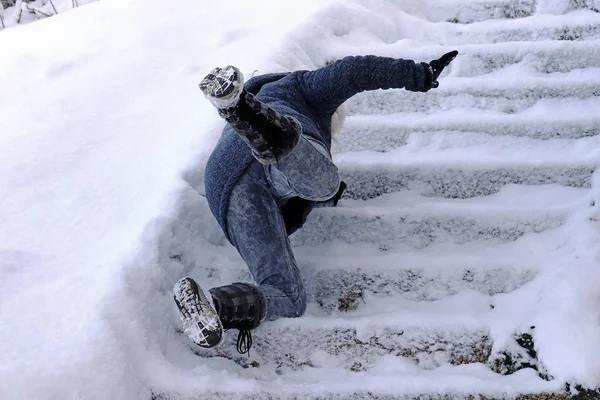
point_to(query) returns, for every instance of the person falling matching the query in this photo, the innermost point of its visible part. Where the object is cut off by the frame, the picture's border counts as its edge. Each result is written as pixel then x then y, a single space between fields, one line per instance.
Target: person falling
pixel 270 168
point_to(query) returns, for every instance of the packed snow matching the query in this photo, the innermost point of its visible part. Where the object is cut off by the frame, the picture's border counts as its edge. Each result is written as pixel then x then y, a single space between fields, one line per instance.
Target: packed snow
pixel 104 135
pixel 101 118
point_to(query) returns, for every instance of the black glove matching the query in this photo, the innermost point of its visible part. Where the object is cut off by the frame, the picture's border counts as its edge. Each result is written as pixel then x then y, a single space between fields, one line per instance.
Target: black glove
pixel 437 66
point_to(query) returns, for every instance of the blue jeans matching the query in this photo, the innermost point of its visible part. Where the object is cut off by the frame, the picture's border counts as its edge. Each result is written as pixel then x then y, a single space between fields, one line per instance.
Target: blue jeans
pixel 256 227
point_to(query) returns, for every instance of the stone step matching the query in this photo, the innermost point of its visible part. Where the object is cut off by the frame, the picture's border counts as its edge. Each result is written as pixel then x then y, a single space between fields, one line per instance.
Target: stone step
pixel 503 96
pixel 387 135
pixel 344 290
pixel 374 393
pixel 417 221
pixel 345 277
pixel 580 25
pixel 541 57
pixel 458 166
pixel 428 334
pixel 341 276
pixel 480 10
pixel 457 182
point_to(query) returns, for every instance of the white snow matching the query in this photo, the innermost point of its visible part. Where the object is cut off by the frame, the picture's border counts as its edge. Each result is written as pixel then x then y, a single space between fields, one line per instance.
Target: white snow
pixel 101 116
pixel 103 137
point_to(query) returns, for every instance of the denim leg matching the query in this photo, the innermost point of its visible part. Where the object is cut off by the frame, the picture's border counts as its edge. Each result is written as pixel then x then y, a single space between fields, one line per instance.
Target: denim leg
pixel 256 228
pixel 307 172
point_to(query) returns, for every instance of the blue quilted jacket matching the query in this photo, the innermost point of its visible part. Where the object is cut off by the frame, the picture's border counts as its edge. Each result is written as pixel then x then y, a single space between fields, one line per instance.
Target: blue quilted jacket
pixel 311 97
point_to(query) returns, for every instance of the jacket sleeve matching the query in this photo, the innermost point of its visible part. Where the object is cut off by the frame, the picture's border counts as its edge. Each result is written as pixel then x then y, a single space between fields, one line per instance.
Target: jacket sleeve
pixel 328 87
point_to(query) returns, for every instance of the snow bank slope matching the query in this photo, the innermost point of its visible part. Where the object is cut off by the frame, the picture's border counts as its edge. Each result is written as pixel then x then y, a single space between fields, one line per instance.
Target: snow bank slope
pixel 99 117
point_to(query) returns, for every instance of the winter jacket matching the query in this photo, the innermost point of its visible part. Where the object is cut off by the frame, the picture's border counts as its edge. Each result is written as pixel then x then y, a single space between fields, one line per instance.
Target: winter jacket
pixel 311 97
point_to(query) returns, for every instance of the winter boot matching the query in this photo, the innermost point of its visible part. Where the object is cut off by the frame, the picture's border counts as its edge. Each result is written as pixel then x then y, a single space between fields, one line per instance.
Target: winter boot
pixel 240 306
pixel 200 319
pixel 237 306
pixel 270 135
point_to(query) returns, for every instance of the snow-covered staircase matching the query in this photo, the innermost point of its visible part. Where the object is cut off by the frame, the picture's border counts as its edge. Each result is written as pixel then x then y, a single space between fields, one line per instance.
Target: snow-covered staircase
pixel 455 200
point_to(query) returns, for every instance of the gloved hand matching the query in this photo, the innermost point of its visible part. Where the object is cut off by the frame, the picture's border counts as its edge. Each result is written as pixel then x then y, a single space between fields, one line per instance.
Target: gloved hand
pixel 437 66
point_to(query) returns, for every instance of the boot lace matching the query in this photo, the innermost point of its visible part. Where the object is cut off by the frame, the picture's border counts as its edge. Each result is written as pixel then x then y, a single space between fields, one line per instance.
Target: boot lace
pixel 244 341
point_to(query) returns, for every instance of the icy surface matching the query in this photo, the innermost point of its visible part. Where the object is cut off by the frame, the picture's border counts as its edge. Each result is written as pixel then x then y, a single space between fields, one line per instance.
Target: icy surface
pixel 104 134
